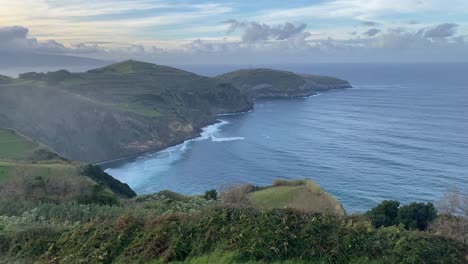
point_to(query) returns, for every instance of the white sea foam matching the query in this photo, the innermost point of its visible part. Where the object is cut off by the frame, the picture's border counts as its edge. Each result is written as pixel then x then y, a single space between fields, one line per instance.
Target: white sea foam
pixel 217 139
pixel 139 172
pixel 210 130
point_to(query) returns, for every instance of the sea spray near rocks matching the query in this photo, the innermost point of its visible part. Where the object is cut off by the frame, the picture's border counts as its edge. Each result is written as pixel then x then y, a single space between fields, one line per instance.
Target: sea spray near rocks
pixel 146 166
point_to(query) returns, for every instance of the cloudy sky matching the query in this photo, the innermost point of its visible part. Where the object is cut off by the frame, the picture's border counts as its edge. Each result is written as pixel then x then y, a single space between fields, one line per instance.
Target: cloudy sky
pixel 246 31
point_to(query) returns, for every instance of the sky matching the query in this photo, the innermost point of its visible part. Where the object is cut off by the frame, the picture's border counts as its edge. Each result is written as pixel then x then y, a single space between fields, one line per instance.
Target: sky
pixel 239 32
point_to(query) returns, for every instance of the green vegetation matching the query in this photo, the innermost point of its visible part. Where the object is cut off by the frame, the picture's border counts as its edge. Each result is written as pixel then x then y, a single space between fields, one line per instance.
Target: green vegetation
pixel 412 216
pixel 303 195
pixel 29 171
pixel 16 147
pixel 211 195
pixel 150 231
pixel 55 220
pixel 139 109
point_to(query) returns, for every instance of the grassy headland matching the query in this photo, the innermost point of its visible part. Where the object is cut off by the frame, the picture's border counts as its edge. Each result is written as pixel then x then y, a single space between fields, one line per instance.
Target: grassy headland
pixel 304 195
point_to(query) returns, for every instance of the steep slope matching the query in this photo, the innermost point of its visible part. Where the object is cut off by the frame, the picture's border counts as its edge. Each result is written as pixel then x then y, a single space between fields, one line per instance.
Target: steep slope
pixel 267 83
pixel 120 110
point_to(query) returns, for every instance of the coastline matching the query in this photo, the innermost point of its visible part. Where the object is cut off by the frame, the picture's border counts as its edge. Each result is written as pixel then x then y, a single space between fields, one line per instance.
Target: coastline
pixel 106 164
pixel 120 161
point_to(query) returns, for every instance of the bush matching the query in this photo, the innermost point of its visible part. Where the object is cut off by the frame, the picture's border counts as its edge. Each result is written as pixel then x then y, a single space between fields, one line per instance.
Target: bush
pixel 412 216
pixel 101 177
pixel 384 214
pixel 211 195
pixel 417 215
pixel 99 195
pixel 237 195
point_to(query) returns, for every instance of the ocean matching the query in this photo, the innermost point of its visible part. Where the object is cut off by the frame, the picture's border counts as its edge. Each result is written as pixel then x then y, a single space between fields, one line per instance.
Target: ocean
pixel 400 133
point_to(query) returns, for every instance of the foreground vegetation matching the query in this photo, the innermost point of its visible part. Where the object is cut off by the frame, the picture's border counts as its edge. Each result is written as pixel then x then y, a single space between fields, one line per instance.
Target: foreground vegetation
pixel 154 229
pixel 170 227
pixel 56 211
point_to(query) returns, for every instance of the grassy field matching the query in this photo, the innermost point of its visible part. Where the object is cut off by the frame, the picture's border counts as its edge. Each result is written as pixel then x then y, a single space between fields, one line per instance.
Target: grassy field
pixel 229 258
pixel 15 147
pixel 304 195
pixel 9 170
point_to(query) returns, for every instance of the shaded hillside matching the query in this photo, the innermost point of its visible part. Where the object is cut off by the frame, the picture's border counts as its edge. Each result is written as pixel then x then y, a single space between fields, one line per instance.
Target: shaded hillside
pixel 116 111
pixel 267 83
pixel 31 171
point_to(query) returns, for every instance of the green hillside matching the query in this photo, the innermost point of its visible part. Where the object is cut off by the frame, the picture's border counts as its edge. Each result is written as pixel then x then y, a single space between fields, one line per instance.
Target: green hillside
pixel 116 111
pixel 15 147
pixel 29 170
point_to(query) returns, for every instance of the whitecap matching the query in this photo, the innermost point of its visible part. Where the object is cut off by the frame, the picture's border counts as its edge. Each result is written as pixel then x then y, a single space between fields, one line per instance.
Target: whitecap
pixel 217 139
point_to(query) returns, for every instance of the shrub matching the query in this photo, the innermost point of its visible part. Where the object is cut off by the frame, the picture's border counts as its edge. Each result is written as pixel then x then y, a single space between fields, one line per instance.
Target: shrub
pixel 101 177
pixel 237 195
pixel 417 215
pixel 99 195
pixel 281 182
pixel 211 195
pixel 412 216
pixel 384 214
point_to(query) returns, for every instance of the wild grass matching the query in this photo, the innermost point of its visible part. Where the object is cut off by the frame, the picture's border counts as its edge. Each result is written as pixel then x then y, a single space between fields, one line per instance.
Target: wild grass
pixel 19 169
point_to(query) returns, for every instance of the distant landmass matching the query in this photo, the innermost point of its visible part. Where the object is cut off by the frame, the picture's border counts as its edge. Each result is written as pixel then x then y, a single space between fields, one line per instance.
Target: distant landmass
pixel 12 60
pixel 267 83
pixel 131 107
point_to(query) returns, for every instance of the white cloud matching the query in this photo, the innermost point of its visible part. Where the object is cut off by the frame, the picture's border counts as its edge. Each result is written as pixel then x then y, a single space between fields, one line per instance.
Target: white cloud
pixel 361 9
pixel 254 31
pixel 265 43
pixel 372 32
pixel 79 19
pixel 441 31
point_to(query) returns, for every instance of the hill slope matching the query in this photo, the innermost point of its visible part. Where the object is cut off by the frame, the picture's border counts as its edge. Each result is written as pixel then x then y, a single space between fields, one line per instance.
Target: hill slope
pixel 268 83
pixel 29 170
pixel 116 111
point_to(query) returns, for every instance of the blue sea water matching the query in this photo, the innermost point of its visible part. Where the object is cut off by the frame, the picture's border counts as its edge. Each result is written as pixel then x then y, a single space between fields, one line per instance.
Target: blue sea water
pixel 401 133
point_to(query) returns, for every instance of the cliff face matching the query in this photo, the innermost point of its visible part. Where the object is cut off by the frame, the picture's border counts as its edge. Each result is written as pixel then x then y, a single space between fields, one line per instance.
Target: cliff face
pixel 267 83
pixel 116 111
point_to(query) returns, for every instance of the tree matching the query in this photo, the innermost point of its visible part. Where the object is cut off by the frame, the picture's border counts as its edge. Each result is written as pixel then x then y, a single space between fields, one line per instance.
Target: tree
pixel 384 214
pixel 417 215
pixel 453 221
